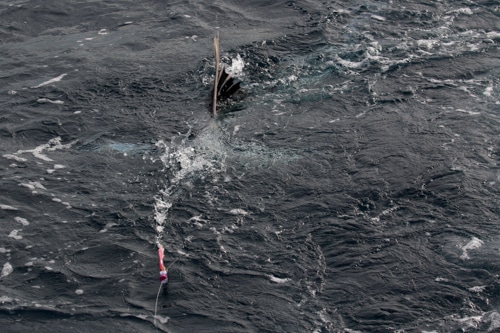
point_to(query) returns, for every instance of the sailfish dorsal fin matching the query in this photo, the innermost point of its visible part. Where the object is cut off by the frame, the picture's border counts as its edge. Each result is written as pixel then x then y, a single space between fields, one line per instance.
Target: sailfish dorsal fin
pixel 224 84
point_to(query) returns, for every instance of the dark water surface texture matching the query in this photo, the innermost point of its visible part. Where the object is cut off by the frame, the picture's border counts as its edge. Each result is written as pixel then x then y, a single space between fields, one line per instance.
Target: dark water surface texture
pixel 355 188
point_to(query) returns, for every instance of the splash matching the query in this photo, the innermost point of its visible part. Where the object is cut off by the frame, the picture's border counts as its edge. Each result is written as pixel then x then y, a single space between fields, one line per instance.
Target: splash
pixel 183 162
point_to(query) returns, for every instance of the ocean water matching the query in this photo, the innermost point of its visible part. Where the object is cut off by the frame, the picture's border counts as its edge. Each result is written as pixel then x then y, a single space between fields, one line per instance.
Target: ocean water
pixel 354 187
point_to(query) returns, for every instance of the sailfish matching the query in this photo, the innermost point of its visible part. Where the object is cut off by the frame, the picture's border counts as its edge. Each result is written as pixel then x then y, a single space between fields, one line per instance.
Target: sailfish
pixel 224 84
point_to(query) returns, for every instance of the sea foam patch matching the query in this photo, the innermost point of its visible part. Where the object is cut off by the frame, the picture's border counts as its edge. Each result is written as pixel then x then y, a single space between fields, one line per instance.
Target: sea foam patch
pixel 6 299
pixel 14 234
pixel 32 185
pixel 21 220
pixel 237 66
pixel 6 270
pixel 475 243
pixel 14 157
pixel 39 151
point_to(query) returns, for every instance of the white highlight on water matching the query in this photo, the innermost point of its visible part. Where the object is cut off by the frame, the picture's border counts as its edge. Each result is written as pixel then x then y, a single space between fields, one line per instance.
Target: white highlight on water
pixel 238 211
pixel 7 207
pixel 48 100
pixel 56 79
pixel 378 18
pixel 278 280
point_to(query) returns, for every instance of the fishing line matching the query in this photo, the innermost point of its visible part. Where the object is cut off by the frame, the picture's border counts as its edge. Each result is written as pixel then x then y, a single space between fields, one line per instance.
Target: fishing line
pixel 156 306
pixel 163 278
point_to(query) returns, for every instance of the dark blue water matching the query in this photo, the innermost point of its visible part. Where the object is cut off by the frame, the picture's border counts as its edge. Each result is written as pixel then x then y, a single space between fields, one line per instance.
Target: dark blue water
pixel 354 187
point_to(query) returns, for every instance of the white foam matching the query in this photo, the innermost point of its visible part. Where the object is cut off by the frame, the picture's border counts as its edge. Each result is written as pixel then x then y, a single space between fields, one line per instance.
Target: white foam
pixel 488 90
pixel 6 299
pixel 79 291
pixel 48 100
pixel 56 79
pixel 198 220
pixel 465 11
pixel 6 270
pixel 428 43
pixel 470 322
pixel 477 289
pixel 161 209
pixel 378 18
pixel 14 157
pixel 278 280
pixel 21 220
pixel 383 213
pixel 56 167
pixel 493 34
pixel 183 161
pixel 238 211
pixel 472 113
pixel 13 234
pixel 53 144
pixel 236 129
pixel 237 66
pixel 7 207
pixel 475 243
pixel 33 185
pixel 161 319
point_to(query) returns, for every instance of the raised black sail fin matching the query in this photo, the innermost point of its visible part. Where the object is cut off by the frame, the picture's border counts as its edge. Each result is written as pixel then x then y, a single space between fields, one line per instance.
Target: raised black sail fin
pixel 225 85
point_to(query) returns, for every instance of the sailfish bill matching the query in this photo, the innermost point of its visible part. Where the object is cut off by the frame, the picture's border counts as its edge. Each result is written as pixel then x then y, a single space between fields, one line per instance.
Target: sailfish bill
pixel 224 84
